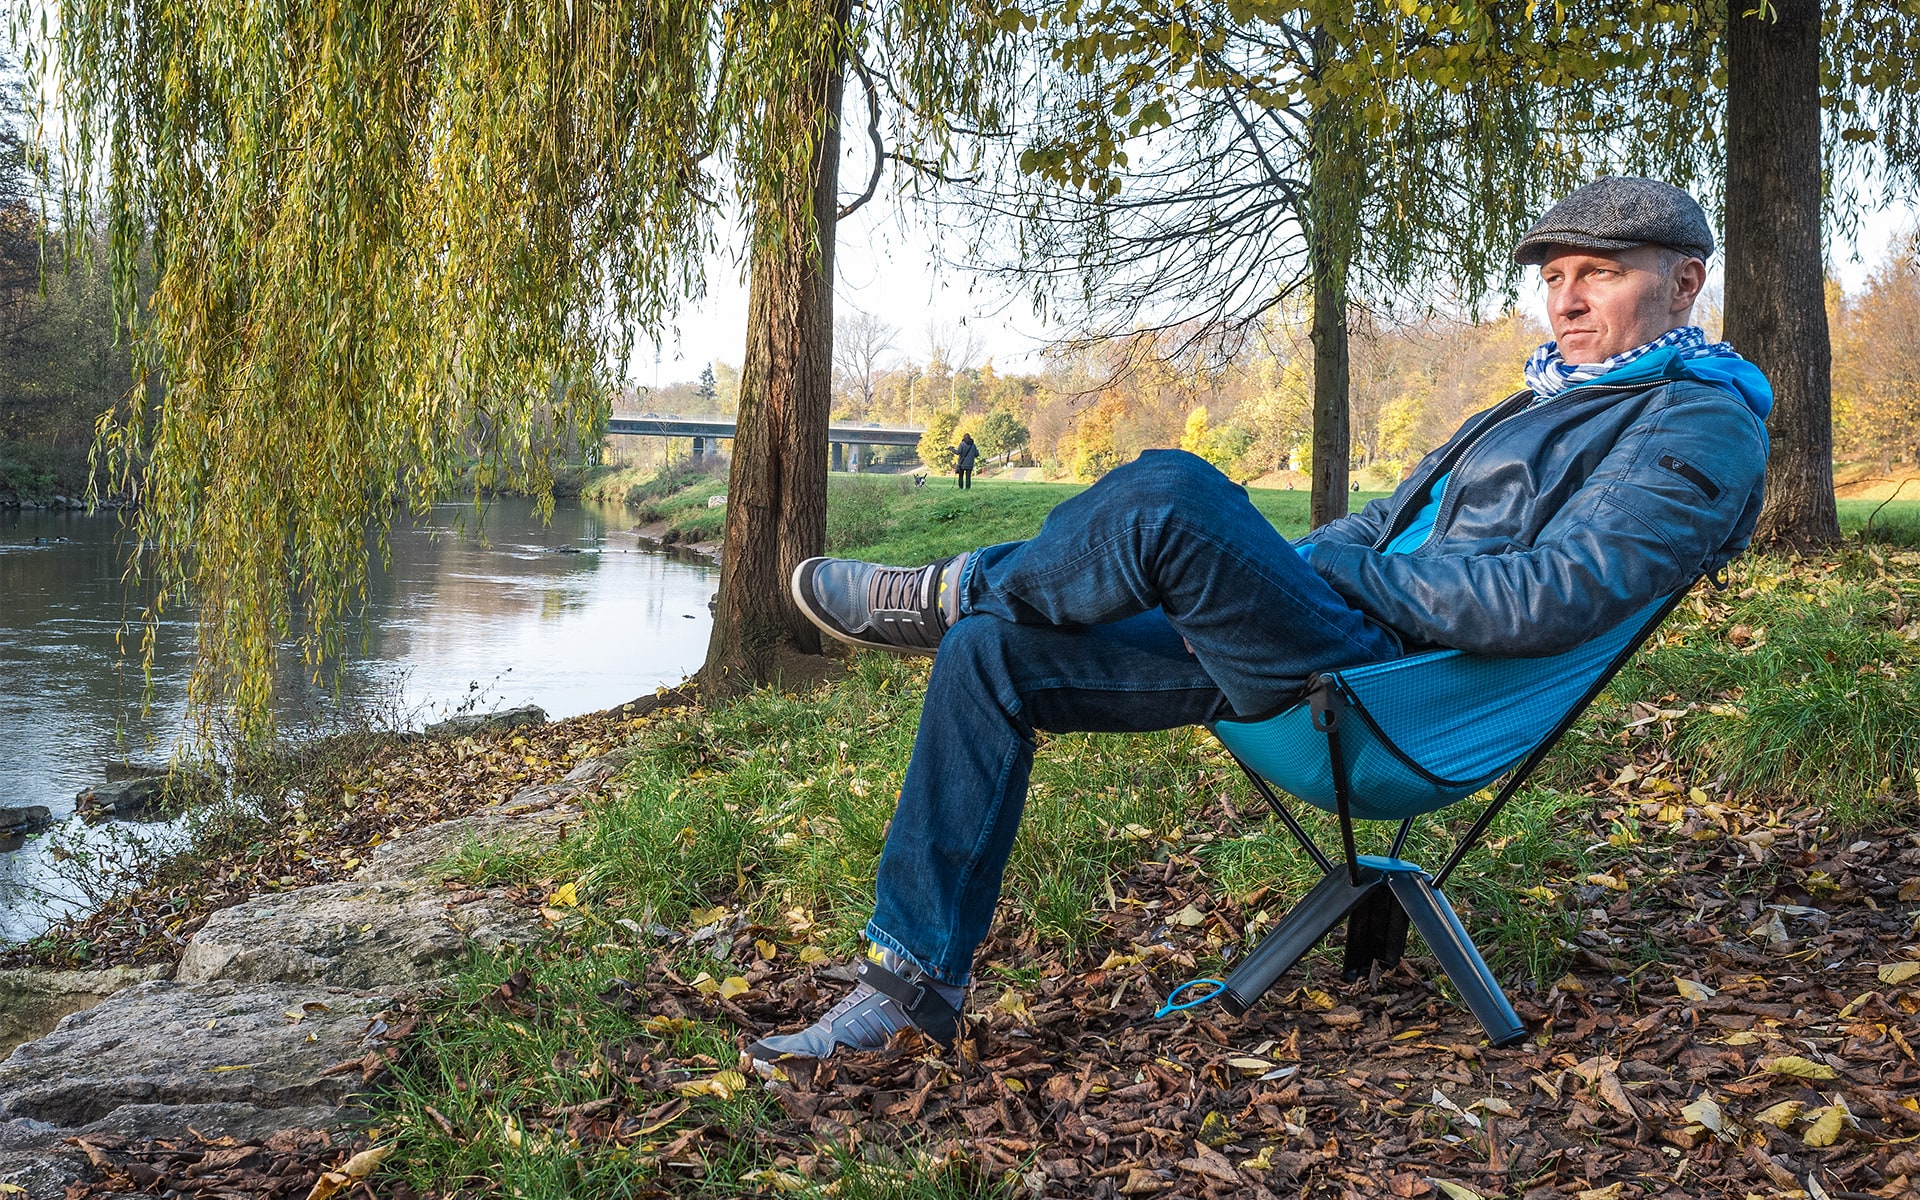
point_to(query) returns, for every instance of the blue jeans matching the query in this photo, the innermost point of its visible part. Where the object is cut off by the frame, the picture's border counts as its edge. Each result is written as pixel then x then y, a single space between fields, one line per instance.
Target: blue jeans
pixel 1080 629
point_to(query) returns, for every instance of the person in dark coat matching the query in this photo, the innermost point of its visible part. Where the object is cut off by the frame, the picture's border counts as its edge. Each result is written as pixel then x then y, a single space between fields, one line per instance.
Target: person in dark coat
pixel 1629 463
pixel 966 454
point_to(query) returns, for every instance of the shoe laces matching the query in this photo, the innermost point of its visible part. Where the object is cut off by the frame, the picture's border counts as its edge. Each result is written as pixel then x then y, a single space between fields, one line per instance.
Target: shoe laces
pixel 897 589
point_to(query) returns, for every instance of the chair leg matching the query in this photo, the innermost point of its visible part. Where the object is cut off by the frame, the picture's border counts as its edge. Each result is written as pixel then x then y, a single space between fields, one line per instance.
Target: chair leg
pixel 1440 927
pixel 1305 924
pixel 1376 932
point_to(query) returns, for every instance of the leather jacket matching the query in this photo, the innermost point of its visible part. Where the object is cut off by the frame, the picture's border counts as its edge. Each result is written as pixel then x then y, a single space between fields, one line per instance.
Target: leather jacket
pixel 1561 519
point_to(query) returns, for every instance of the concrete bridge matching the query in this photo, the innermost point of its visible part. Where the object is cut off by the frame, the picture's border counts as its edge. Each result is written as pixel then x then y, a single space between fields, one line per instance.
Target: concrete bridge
pixel 845 440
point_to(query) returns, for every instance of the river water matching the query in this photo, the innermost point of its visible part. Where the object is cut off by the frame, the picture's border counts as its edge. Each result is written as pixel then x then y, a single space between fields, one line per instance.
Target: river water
pixel 485 612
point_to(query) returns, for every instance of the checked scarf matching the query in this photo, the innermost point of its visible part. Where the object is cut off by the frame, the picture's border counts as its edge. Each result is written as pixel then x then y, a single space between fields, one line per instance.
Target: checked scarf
pixel 1548 374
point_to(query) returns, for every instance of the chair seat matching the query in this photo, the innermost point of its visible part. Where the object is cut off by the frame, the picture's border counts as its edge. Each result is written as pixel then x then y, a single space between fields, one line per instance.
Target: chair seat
pixel 1433 728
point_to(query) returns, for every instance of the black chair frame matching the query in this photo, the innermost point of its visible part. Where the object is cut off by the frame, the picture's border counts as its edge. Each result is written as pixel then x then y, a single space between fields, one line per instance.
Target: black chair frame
pixel 1379 898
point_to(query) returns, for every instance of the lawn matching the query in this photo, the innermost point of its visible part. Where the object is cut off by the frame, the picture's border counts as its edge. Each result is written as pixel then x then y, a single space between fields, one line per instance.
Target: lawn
pixel 1706 911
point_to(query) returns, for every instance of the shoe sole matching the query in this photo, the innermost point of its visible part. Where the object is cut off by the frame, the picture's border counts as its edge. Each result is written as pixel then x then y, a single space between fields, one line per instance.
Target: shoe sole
pixel 826 626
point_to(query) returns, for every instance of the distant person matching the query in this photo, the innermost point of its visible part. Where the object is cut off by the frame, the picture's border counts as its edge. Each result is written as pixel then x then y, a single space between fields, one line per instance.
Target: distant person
pixel 1630 463
pixel 966 454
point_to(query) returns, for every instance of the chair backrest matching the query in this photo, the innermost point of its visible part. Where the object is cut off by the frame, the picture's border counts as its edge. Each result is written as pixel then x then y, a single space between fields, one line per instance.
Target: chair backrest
pixel 1431 729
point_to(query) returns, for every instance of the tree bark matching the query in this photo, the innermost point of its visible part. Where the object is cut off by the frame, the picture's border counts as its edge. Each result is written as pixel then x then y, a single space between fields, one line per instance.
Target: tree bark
pixel 1332 216
pixel 1776 313
pixel 777 489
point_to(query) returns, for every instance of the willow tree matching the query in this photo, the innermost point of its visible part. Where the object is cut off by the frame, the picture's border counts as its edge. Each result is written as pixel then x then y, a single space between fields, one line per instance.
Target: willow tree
pixel 395 241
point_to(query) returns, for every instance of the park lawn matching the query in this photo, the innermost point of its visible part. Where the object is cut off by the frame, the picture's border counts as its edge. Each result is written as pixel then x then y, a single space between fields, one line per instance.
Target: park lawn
pixel 1713 879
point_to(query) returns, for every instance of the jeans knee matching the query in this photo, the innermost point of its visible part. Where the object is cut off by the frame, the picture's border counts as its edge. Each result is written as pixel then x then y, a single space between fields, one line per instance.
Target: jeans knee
pixel 976 657
pixel 1172 477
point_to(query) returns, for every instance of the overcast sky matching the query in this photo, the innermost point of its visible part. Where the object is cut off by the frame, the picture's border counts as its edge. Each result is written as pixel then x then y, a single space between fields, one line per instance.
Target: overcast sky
pixel 885 267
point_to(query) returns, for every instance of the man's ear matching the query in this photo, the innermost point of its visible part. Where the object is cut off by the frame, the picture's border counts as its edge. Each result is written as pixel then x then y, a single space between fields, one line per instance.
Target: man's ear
pixel 1688 280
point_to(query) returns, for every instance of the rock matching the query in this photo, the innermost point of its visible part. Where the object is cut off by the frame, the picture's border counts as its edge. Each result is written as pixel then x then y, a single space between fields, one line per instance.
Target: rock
pixel 142 793
pixel 19 819
pixel 356 934
pixel 153 1058
pixel 33 1001
pixel 39 1163
pixel 495 722
pixel 419 853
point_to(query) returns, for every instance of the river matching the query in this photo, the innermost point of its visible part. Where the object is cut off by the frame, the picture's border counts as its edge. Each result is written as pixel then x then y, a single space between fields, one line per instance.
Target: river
pixel 487 613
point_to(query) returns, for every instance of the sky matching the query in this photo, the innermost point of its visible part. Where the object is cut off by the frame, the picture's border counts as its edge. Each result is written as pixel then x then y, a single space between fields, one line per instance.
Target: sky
pixel 885 266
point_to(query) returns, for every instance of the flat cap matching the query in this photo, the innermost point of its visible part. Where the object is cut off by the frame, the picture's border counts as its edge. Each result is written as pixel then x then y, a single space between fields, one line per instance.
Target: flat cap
pixel 1618 212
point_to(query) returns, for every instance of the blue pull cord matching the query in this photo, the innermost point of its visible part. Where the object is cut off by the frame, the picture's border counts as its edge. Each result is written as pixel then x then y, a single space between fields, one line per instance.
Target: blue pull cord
pixel 1171 1007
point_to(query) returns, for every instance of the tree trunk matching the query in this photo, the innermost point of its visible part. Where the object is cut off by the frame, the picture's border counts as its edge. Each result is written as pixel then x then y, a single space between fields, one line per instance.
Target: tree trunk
pixel 1776 312
pixel 777 489
pixel 1332 214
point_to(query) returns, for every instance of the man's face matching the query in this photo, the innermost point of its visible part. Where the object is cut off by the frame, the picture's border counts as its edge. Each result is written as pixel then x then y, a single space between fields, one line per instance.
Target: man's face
pixel 1603 302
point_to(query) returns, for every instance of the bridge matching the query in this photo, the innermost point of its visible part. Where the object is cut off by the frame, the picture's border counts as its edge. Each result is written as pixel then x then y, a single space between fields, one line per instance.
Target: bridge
pixel 844 439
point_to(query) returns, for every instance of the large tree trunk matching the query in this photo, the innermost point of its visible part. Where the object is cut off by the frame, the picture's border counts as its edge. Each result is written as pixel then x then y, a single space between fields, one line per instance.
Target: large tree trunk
pixel 777 491
pixel 1332 215
pixel 1776 312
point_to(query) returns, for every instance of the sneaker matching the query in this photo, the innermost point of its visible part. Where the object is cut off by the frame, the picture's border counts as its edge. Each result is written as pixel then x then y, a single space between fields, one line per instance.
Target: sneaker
pixel 901 609
pixel 881 1004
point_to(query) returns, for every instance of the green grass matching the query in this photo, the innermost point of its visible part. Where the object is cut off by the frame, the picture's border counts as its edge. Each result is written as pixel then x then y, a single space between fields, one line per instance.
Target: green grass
pixel 775 807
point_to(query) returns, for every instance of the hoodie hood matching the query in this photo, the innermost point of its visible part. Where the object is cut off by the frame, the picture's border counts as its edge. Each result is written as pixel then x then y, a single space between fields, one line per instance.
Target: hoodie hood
pixel 1717 365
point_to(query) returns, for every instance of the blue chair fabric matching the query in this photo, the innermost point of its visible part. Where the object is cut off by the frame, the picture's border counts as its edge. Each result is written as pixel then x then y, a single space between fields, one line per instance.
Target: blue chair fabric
pixel 1434 728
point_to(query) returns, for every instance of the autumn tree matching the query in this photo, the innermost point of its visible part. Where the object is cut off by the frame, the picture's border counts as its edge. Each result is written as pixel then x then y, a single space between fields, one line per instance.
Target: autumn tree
pixel 388 235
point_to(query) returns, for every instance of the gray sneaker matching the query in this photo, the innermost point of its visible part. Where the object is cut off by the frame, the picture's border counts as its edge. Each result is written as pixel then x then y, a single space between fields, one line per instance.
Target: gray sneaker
pixel 880 1005
pixel 901 609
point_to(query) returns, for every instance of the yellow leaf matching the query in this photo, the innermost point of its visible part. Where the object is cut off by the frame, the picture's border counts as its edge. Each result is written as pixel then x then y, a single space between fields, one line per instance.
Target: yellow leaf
pixel 12 1189
pixel 706 916
pixel 233 1067
pixel 1703 1112
pixel 357 1168
pixel 812 956
pixel 1743 1037
pixel 1799 1068
pixel 1543 894
pixel 1611 883
pixel 1609 1192
pixel 1692 989
pixel 1697 796
pixel 728 1084
pixel 1319 999
pixel 1250 1066
pixel 1782 1114
pixel 1013 1004
pixel 705 984
pixel 1825 1129
pixel 1456 1191
pixel 567 895
pixel 1115 960
pixel 1189 916
pixel 766 949
pixel 1898 972
pixel 733 986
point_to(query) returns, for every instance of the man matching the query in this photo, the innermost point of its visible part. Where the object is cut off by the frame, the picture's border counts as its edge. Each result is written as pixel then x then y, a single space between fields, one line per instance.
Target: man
pixel 1630 463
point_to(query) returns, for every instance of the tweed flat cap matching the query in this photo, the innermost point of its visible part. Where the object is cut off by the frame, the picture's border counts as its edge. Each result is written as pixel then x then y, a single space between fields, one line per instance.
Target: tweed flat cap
pixel 1617 212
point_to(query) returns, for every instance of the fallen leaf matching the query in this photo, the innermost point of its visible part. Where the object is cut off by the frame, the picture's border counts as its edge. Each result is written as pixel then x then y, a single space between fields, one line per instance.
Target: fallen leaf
pixel 1189 916
pixel 766 949
pixel 1455 1191
pixel 1898 972
pixel 1826 1126
pixel 1142 1182
pixel 1693 989
pixel 1704 1112
pixel 1799 1068
pixel 812 956
pixel 1610 1192
pixel 1782 1114
pixel 733 986
pixel 1250 1066
pixel 349 1173
pixel 567 895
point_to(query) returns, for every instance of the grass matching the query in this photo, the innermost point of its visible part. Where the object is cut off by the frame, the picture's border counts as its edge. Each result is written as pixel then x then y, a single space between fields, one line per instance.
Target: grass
pixel 1795 686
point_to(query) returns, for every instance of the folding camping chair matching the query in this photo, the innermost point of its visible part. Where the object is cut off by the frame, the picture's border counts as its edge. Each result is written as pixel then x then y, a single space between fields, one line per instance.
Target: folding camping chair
pixel 1390 742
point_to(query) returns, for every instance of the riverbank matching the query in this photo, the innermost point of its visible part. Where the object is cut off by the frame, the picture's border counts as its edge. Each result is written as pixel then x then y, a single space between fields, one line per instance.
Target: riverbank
pixel 1734 812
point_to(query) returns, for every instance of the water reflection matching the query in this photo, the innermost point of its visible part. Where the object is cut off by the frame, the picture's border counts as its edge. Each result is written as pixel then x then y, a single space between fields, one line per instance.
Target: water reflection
pixel 467 609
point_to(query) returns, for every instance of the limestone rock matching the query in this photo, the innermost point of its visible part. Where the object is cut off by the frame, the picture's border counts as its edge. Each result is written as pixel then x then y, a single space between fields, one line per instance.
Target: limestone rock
pixel 140 793
pixel 17 819
pixel 33 1001
pixel 357 934
pixel 494 722
pixel 419 853
pixel 233 1054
